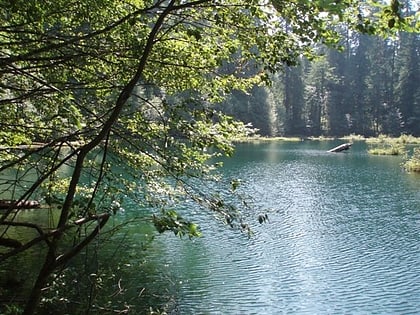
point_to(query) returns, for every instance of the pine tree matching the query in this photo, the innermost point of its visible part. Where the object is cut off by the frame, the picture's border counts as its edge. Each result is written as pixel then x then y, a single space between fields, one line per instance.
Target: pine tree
pixel 293 101
pixel 407 94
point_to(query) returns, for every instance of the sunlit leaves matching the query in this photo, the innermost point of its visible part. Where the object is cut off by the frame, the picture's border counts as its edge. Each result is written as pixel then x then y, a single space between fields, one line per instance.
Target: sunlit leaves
pixel 70 72
pixel 170 220
pixel 235 183
pixel 64 65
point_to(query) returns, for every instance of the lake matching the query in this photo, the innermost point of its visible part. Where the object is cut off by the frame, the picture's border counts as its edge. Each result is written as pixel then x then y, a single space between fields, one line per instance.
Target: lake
pixel 343 237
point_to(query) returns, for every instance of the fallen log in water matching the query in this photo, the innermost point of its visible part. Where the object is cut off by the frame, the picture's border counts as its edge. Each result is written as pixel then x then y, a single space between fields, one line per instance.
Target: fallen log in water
pixel 24 204
pixel 341 147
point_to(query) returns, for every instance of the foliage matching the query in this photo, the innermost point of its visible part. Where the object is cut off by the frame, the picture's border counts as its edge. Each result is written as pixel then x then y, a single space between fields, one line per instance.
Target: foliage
pixel 413 163
pixel 369 86
pixel 353 137
pixel 384 145
pixel 408 139
pixel 170 220
pixel 104 88
pixel 269 139
pixel 387 149
pixel 403 139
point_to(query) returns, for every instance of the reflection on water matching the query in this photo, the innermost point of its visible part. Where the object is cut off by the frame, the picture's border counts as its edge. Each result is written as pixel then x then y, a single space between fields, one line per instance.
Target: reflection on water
pixel 343 237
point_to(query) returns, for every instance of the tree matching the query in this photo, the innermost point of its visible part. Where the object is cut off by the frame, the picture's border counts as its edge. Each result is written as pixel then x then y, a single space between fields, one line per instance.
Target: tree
pixel 339 108
pixel 321 84
pixel 407 91
pixel 86 84
pixel 293 100
pixel 251 107
pixel 380 84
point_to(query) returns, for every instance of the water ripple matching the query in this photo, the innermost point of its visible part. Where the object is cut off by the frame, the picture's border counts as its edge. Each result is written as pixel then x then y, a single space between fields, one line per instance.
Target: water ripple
pixel 343 238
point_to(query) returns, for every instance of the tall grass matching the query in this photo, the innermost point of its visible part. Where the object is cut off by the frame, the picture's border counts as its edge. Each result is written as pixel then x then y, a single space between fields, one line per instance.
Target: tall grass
pixel 413 163
pixel 387 149
pixel 353 137
pixel 403 139
pixel 385 145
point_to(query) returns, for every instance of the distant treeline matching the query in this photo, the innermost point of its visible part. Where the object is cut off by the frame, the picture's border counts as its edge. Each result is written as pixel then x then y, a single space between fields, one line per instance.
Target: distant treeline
pixel 371 87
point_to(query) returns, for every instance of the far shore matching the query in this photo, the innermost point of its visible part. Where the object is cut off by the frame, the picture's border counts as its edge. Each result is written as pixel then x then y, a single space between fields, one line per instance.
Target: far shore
pixel 403 139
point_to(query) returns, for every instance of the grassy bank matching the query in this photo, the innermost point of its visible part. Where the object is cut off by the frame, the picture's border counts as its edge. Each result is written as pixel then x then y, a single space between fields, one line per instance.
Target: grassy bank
pixel 385 145
pixel 403 140
pixel 413 163
pixel 259 138
pixel 387 149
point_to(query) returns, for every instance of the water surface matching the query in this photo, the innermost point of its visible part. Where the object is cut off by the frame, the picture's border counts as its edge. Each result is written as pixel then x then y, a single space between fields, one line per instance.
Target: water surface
pixel 343 238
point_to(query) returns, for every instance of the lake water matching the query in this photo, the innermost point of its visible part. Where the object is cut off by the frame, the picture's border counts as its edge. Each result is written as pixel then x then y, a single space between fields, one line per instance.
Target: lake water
pixel 343 237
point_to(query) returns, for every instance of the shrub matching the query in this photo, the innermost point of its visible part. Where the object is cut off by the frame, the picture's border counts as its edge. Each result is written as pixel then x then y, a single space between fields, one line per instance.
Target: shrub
pixel 413 163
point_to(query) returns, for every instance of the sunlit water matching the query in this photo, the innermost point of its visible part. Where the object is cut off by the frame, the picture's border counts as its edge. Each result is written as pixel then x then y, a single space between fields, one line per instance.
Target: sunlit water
pixel 343 238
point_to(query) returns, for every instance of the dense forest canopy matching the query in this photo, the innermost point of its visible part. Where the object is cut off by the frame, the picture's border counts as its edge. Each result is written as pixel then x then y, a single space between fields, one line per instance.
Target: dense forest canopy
pixel 367 87
pixel 88 85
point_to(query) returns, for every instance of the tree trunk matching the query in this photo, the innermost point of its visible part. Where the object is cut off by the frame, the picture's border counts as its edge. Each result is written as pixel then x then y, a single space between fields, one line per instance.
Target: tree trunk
pixel 51 261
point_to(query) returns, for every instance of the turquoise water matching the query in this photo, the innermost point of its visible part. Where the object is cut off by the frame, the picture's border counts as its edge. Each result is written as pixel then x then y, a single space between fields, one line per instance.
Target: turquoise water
pixel 343 237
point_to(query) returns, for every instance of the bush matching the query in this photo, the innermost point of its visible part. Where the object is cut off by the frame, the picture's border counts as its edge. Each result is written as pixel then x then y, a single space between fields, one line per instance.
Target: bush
pixel 413 163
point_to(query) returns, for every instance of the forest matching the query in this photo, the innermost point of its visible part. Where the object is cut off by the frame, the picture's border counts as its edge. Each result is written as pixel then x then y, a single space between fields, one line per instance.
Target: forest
pixel 110 105
pixel 369 87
